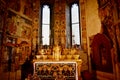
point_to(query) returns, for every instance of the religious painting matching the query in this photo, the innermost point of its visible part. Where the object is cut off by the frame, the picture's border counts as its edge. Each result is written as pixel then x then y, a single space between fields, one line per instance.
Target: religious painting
pixel 0 40
pixel 28 8
pixel 101 54
pixel 18 26
pixel 118 7
pixel 107 20
pixel 14 4
pixel 1 21
pixel 8 56
pixel 26 32
pixel 103 2
pixel 51 70
pixel 2 15
pixel 118 40
pixel 11 23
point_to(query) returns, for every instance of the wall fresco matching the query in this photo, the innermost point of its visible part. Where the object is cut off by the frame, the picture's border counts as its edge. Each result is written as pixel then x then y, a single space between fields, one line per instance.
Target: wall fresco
pixel 18 26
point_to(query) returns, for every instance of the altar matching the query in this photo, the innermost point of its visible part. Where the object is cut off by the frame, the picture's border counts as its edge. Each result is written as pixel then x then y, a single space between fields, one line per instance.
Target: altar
pixel 58 62
pixel 49 70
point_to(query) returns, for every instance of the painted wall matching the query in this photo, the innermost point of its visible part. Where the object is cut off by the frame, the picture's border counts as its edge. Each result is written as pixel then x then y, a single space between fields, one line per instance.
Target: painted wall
pixel 93 24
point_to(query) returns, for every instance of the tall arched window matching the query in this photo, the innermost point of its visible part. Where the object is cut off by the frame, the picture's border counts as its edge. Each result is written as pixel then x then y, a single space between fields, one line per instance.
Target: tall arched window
pixel 75 24
pixel 45 25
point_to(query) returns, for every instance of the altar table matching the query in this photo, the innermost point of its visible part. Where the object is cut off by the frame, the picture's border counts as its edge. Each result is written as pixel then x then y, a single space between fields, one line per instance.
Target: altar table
pixel 51 69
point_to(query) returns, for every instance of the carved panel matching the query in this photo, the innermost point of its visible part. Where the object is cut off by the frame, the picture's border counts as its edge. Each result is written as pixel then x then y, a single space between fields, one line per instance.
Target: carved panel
pixel 53 69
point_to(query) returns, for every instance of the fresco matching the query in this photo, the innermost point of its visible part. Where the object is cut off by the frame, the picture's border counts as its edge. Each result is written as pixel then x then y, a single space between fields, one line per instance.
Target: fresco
pixel 18 26
pixel 118 7
pixel 2 15
pixel 14 4
pixel 111 27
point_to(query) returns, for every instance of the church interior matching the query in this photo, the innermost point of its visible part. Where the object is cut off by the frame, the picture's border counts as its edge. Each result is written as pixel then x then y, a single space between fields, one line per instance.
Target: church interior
pixel 59 39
